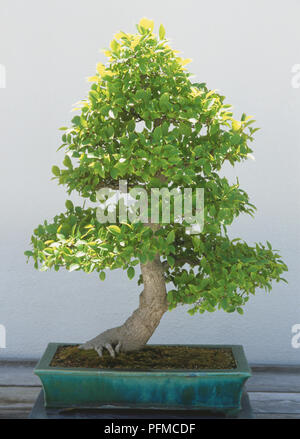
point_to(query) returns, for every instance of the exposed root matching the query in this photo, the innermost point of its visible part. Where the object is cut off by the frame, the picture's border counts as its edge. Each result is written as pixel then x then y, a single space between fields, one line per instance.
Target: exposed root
pixel 114 340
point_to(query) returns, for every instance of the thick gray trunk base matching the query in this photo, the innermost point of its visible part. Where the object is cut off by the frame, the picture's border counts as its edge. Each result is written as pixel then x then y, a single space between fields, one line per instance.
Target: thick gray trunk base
pixel 140 326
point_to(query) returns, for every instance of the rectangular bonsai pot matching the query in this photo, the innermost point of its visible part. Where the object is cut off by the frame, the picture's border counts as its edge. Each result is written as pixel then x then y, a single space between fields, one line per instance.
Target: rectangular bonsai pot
pixel 203 389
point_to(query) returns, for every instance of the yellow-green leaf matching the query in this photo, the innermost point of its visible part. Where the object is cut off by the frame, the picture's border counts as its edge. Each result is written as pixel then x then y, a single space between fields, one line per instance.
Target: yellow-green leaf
pixel 236 125
pixel 115 230
pixel 146 23
pixel 89 226
pixel 162 32
pixel 56 171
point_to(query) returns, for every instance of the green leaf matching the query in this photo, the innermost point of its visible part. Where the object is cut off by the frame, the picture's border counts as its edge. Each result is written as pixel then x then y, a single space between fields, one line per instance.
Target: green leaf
pixel 170 296
pixel 165 128
pixel 171 237
pixel 131 126
pixel 142 67
pixel 235 139
pixel 162 32
pixel 76 120
pixel 143 258
pixel 164 102
pixel 157 133
pixel 28 253
pixel 240 310
pixel 69 205
pixel 185 129
pixel 110 131
pixel 114 172
pixel 284 280
pixel 102 275
pixel 224 303
pixel 130 272
pixel 56 171
pixel 68 162
pixel 171 260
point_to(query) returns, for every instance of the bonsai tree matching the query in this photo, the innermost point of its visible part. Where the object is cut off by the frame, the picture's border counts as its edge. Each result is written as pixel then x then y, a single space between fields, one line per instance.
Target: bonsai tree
pixel 144 121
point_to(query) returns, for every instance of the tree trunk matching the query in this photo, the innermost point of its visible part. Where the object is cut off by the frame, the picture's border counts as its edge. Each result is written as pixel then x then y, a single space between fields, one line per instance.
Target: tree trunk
pixel 140 326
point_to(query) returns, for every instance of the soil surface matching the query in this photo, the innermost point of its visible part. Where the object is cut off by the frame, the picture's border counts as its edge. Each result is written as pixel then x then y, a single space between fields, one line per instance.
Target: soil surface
pixel 150 357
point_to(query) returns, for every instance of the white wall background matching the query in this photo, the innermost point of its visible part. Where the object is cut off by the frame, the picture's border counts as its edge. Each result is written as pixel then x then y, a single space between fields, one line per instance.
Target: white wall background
pixel 246 49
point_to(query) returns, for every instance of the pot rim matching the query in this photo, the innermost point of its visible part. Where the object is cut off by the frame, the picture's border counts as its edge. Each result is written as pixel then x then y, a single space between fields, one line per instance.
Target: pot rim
pixel 242 366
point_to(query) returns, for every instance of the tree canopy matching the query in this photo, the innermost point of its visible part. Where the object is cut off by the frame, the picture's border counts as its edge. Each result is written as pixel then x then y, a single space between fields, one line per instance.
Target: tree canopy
pixel 146 122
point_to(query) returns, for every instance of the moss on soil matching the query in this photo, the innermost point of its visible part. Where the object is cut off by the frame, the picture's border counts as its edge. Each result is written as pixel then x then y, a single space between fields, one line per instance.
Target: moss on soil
pixel 150 357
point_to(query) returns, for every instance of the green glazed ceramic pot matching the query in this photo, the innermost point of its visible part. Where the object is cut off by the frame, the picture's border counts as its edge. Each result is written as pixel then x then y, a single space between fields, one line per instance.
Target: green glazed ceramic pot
pixel 207 389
